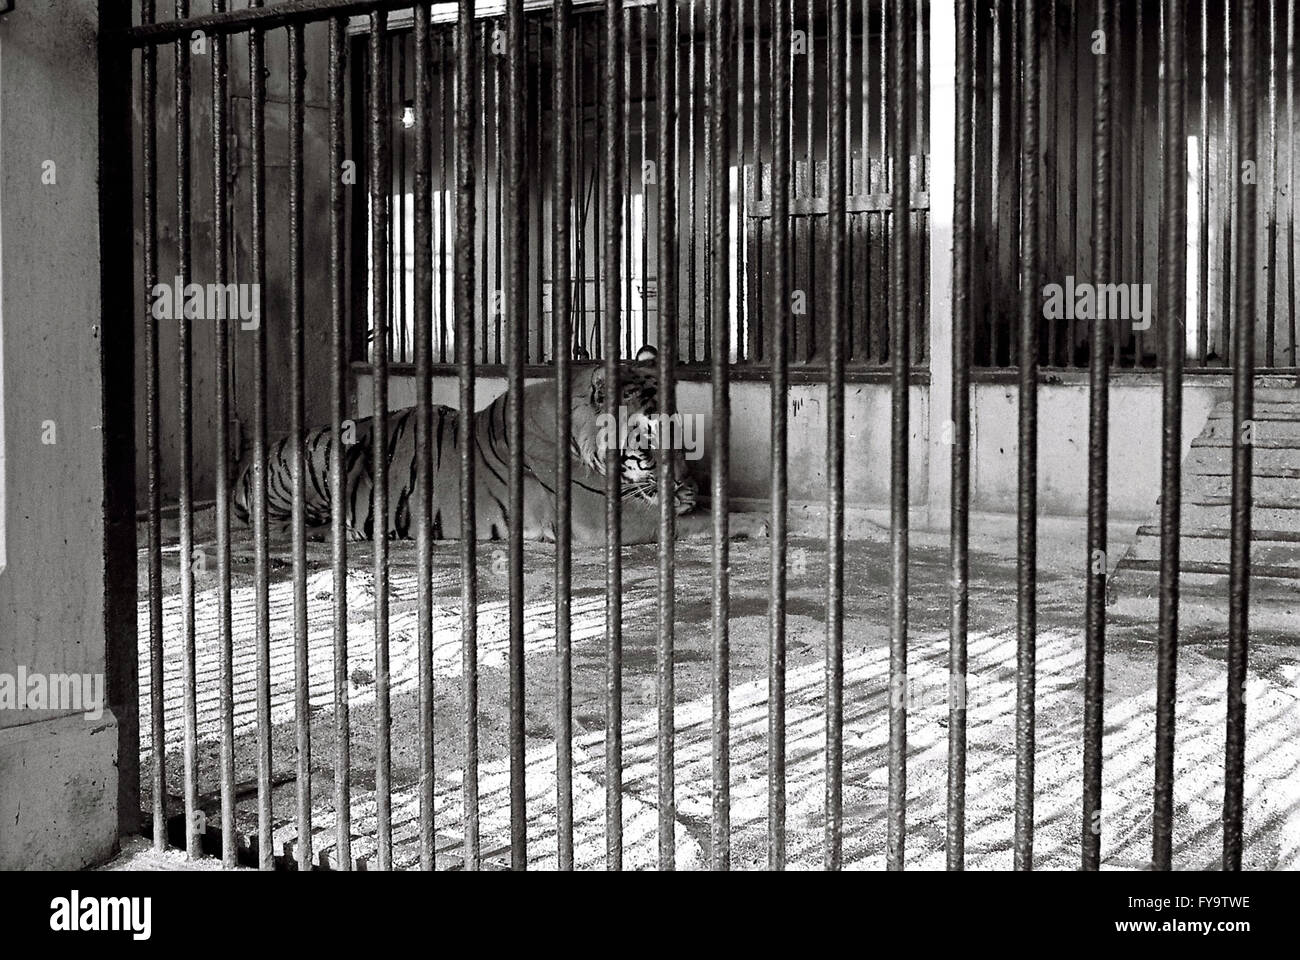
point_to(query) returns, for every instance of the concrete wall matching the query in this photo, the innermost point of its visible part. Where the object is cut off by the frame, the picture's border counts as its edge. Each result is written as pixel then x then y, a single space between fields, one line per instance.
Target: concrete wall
pixel 58 800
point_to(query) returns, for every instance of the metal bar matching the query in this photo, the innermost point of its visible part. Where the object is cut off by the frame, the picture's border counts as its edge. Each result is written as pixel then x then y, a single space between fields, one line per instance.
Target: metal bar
pixel 1230 163
pixel 261 560
pixel 1243 411
pixel 1173 307
pixel 397 337
pixel 297 467
pixel 149 161
pixel 1290 179
pixel 900 352
pixel 256 17
pixel 693 308
pixel 958 550
pixel 1027 520
pixel 1098 446
pixel 466 67
pixel 1051 89
pixel 380 184
pixel 718 92
pixel 221 275
pixel 1203 227
pixel 613 239
pixel 515 243
pixel 185 412
pixel 424 425
pixel 625 133
pixel 837 53
pixel 1140 161
pixel 780 307
pixel 338 412
pixel 1076 48
pixel 1270 212
pixel 666 120
pixel 562 122
pixel 498 211
pixel 485 307
pixel 643 28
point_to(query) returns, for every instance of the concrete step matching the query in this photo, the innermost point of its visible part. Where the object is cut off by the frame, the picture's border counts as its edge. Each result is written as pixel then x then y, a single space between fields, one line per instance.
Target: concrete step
pixel 1265 486
pixel 1205 527
pixel 1266 515
pixel 1269 548
pixel 1211 459
pixel 1133 602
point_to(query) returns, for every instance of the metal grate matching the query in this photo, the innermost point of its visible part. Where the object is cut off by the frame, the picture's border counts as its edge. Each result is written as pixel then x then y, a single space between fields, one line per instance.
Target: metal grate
pixel 519 341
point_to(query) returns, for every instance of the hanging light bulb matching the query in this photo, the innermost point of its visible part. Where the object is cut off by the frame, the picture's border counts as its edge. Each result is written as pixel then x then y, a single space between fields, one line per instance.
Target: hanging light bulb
pixel 408 115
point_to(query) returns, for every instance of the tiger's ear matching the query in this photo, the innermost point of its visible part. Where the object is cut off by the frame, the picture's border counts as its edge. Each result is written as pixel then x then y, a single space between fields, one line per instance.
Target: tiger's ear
pixel 597 392
pixel 647 355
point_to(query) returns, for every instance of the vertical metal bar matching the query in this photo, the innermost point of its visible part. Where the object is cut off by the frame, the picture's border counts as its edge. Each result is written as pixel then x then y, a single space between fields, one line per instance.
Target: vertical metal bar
pixel 958 551
pixel 424 425
pixel 1027 532
pixel 380 185
pixel 1290 180
pixel 693 307
pixel 485 304
pixel 613 240
pixel 643 27
pixel 220 238
pixel 466 68
pixel 397 336
pixel 298 477
pixel 1270 212
pixel 1243 412
pixel 666 119
pixel 837 200
pixel 562 122
pixel 1230 166
pixel 1203 264
pixel 624 127
pixel 338 411
pixel 185 411
pixel 515 243
pixel 718 93
pixel 1098 446
pixel 780 307
pixel 149 161
pixel 1173 307
pixel 737 312
pixel 1051 87
pixel 261 560
pixel 1077 46
pixel 900 353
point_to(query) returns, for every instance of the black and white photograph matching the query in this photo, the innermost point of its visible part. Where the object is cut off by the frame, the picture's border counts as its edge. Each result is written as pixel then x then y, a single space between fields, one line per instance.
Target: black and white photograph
pixel 649 435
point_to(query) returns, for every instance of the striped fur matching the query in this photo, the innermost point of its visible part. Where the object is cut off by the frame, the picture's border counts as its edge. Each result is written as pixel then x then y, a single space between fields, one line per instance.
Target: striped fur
pixel 492 453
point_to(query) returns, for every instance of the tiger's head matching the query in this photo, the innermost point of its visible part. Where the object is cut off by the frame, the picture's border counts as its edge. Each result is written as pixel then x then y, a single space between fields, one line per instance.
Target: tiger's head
pixel 637 433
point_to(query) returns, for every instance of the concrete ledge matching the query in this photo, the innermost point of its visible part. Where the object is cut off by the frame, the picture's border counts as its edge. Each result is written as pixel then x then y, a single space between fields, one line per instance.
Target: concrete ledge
pixel 58 807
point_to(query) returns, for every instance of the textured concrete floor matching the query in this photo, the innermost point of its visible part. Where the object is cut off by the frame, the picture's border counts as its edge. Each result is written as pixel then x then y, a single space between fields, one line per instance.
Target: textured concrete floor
pixel 1273 712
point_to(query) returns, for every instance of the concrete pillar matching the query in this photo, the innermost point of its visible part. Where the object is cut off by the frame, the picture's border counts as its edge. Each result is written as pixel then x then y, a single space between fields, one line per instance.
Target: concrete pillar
pixel 943 107
pixel 58 767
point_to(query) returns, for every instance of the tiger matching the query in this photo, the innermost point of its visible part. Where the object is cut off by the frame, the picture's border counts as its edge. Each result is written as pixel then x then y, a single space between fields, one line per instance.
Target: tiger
pixel 638 469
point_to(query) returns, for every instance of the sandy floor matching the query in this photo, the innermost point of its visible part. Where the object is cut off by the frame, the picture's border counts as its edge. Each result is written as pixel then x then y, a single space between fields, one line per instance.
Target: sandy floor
pixel 1273 714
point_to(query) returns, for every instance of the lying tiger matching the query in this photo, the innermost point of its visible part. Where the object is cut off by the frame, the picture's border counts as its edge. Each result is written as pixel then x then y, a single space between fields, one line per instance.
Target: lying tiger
pixel 640 512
